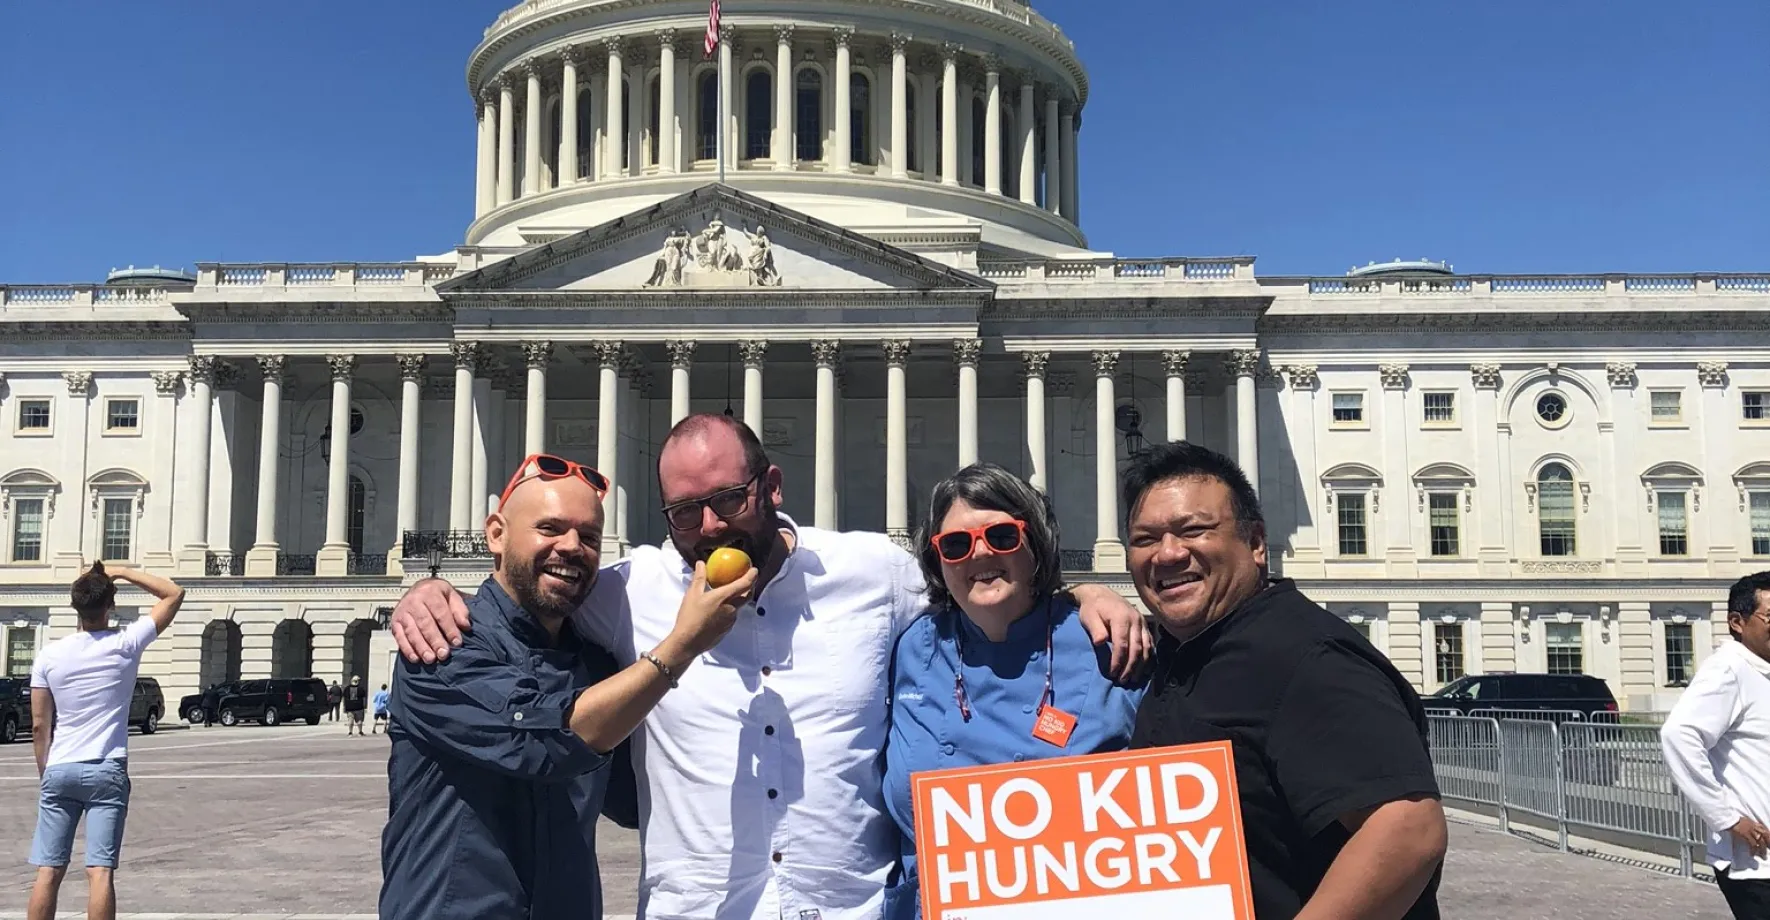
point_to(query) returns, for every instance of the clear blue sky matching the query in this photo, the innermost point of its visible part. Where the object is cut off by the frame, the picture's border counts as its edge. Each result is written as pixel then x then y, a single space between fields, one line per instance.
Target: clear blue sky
pixel 1502 135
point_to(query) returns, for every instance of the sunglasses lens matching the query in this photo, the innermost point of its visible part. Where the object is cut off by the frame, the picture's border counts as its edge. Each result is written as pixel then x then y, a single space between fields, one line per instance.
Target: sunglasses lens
pixel 596 480
pixel 953 547
pixel 552 466
pixel 1003 538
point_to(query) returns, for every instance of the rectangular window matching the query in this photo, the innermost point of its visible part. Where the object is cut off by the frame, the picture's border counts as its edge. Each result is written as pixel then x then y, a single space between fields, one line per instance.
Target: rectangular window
pixel 1754 405
pixel 1565 647
pixel 122 416
pixel 1667 406
pixel 1348 408
pixel 1439 408
pixel 1363 629
pixel 1674 525
pixel 1760 518
pixel 1444 521
pixel 119 515
pixel 1680 654
pixel 33 415
pixel 27 530
pixel 1447 644
pixel 1352 529
pixel 1555 518
pixel 21 651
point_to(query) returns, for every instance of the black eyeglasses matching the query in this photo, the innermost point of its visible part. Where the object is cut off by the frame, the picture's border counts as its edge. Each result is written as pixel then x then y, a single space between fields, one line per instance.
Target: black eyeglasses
pixel 686 515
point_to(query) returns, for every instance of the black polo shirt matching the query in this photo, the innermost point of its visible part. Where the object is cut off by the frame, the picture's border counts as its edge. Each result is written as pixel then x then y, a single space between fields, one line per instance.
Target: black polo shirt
pixel 1320 722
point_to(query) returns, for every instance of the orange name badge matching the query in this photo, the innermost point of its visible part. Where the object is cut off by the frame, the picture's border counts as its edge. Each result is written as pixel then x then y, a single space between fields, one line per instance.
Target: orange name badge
pixel 1054 726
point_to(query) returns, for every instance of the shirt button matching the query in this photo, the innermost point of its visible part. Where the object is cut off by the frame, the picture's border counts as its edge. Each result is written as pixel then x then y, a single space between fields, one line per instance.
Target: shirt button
pixel 946 749
pixel 768 731
pixel 767 671
pixel 762 611
pixel 773 793
pixel 1019 757
pixel 776 857
pixel 517 717
pixel 1026 708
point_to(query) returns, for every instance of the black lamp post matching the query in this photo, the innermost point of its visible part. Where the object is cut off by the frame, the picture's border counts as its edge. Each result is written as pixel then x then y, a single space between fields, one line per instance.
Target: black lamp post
pixel 435 557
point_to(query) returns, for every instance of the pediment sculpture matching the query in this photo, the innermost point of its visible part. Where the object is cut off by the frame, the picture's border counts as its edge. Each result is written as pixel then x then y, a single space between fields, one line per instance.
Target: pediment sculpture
pixel 715 258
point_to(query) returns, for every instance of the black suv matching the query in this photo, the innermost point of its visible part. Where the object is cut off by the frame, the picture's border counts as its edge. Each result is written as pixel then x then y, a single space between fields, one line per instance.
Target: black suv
pixel 199 708
pixel 147 705
pixel 1558 696
pixel 274 701
pixel 15 708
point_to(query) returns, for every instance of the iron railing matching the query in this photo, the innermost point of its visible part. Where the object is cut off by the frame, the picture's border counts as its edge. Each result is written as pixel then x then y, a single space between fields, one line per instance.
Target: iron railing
pixel 366 564
pixel 455 544
pixel 1077 560
pixel 297 563
pixel 218 564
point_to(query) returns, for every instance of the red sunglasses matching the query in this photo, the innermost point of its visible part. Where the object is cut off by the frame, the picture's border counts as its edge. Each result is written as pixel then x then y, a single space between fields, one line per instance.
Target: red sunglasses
pixel 547 466
pixel 955 546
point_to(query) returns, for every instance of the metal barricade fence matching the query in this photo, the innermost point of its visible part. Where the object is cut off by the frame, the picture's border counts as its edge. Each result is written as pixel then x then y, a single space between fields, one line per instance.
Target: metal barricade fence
pixel 1598 780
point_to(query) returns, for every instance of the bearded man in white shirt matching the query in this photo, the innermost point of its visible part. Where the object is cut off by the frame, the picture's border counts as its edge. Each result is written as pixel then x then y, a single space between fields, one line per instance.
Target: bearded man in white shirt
pixel 760 775
pixel 1717 743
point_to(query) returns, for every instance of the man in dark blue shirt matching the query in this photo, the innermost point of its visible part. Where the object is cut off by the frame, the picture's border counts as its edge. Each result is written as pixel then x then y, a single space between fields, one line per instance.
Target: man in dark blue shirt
pixel 498 768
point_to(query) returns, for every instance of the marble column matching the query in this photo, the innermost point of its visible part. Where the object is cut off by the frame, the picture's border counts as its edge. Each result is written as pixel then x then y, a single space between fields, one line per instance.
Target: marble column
pixel 467 360
pixel 537 355
pixel 568 117
pixel 1034 363
pixel 992 125
pixel 727 75
pixel 753 353
pixel 194 556
pixel 949 114
pixel 1029 144
pixel 897 492
pixel 334 556
pixel 900 97
pixel 506 139
pixel 1067 141
pixel 666 139
pixel 826 353
pixel 966 353
pixel 842 153
pixel 783 98
pixel 1243 364
pixel 485 186
pixel 411 384
pixel 1109 553
pixel 681 360
pixel 613 140
pixel 608 438
pixel 261 559
pixel 531 130
pixel 627 386
pixel 1174 364
pixel 1053 154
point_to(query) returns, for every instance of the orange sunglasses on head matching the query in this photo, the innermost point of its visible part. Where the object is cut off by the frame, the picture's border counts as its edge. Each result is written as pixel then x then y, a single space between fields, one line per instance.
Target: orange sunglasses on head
pixel 547 466
pixel 955 546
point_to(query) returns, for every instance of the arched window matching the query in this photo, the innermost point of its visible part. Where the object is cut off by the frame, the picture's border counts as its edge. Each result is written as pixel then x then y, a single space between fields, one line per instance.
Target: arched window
pixel 1555 511
pixel 912 139
pixel 652 116
pixel 359 496
pixel 860 120
pixel 758 114
pixel 586 133
pixel 707 117
pixel 808 107
pixel 978 147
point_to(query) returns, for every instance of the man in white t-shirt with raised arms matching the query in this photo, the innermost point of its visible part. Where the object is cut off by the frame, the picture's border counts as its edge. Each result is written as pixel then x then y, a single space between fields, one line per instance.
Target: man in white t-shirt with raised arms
pixel 759 776
pixel 80 691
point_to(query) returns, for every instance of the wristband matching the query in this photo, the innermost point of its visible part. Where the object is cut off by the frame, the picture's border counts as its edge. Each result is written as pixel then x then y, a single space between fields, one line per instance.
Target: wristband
pixel 661 666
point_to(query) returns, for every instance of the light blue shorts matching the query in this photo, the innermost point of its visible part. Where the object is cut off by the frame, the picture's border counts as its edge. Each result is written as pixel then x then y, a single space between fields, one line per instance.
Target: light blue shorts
pixel 97 788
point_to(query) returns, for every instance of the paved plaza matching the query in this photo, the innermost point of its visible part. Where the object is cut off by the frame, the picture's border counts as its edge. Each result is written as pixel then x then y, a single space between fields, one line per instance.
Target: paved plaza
pixel 286 822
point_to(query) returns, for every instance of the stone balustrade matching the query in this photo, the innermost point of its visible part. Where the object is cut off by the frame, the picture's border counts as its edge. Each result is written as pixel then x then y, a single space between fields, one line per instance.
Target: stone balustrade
pixel 1013 10
pixel 1524 286
pixel 80 295
pixel 341 274
pixel 1060 270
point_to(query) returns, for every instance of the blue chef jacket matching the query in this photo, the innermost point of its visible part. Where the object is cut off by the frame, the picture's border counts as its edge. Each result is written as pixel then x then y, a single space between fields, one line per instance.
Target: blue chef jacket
pixel 493 800
pixel 1003 682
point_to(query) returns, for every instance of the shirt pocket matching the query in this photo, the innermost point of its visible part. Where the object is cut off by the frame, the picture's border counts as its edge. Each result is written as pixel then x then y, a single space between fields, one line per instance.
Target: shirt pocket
pixel 853 663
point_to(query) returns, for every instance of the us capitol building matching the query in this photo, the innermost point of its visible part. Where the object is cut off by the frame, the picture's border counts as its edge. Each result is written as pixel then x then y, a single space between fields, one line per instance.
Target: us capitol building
pixel 1483 472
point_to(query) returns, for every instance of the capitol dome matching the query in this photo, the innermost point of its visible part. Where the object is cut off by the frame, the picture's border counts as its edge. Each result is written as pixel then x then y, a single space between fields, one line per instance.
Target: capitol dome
pixel 979 143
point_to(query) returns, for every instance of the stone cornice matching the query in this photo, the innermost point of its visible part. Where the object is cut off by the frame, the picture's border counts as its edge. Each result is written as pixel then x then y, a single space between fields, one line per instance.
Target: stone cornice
pixel 93 329
pixel 1134 308
pixel 330 312
pixel 674 300
pixel 1514 321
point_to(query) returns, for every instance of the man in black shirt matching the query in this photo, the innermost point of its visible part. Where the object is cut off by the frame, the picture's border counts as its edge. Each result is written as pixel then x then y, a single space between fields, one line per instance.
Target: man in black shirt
pixel 1339 801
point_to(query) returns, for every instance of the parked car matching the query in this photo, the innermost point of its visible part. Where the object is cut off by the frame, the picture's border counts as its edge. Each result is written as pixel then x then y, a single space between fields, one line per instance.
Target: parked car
pixel 274 701
pixel 1558 696
pixel 147 705
pixel 15 708
pixel 199 708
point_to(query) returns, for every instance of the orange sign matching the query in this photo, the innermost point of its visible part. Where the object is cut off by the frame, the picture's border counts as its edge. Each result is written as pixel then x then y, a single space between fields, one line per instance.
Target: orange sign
pixel 1146 833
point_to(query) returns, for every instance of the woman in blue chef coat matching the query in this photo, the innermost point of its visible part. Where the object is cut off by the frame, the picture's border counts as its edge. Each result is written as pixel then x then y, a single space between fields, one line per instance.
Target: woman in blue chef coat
pixel 971 680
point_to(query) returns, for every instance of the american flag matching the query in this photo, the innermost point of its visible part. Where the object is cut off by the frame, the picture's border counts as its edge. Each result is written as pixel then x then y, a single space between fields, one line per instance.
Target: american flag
pixel 712 42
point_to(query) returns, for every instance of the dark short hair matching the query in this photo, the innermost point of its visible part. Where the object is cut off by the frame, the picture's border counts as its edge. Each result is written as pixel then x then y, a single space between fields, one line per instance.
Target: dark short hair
pixel 699 424
pixel 1186 460
pixel 94 593
pixel 1742 598
pixel 992 488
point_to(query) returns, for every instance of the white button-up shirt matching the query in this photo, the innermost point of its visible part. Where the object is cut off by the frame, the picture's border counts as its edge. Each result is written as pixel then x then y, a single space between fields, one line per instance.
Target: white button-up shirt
pixel 1717 744
pixel 760 776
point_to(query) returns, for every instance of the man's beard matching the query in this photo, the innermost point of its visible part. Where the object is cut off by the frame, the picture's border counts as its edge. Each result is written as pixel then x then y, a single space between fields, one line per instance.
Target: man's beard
pixel 759 545
pixel 525 585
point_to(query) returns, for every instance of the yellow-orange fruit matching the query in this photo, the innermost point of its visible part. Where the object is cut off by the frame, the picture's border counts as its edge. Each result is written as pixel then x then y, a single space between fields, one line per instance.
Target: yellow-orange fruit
pixel 726 565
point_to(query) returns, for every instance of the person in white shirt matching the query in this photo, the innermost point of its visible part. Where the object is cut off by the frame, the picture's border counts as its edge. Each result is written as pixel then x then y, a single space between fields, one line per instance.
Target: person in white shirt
pixel 1717 744
pixel 80 691
pixel 760 775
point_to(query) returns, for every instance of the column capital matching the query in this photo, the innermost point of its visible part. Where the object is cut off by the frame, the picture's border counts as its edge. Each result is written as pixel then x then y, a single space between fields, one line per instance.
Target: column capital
pixel 727 36
pixel 950 51
pixel 897 352
pixel 1394 376
pixel 166 382
pixel 487 97
pixel 900 41
pixel 992 65
pixel 1711 374
pixel 532 68
pixel 1174 362
pixel 573 55
pixel 1242 362
pixel 1033 363
pixel 826 352
pixel 609 354
pixel 537 354
pixel 202 369
pixel 79 383
pixel 615 45
pixel 343 366
pixel 468 355
pixel 506 81
pixel 681 353
pixel 1621 375
pixel 271 367
pixel 1302 376
pixel 967 351
pixel 783 34
pixel 753 352
pixel 1106 363
pixel 1486 376
pixel 843 36
pixel 411 367
pixel 666 39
